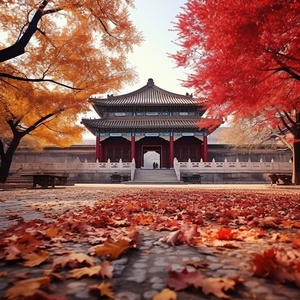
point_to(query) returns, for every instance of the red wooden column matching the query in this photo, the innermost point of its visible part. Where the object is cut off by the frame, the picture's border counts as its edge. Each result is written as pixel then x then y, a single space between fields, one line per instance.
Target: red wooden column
pixel 98 149
pixel 205 149
pixel 132 148
pixel 171 151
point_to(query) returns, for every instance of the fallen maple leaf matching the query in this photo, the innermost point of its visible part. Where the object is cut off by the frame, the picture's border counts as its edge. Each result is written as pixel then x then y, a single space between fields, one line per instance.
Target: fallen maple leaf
pixel 165 294
pixel 35 259
pixel 12 252
pixel 171 238
pixel 216 286
pixel 51 232
pixel 106 269
pixel 104 289
pixel 197 264
pixel 53 275
pixel 111 249
pixel 26 288
pixel 264 264
pixel 224 234
pixel 86 271
pixel 73 260
pixel 82 258
pixel 184 279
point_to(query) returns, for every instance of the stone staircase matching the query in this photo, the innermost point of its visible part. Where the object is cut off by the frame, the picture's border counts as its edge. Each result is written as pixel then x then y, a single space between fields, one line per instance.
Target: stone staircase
pixel 155 176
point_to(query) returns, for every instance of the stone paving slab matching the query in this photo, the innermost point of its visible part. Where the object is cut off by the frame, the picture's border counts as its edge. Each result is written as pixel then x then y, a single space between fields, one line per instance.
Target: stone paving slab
pixel 140 273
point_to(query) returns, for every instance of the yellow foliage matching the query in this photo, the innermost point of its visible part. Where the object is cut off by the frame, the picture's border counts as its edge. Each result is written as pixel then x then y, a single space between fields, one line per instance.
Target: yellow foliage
pixel 80 49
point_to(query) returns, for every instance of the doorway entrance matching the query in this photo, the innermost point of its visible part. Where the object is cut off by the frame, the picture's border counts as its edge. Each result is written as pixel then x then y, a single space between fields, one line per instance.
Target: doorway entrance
pixel 151 157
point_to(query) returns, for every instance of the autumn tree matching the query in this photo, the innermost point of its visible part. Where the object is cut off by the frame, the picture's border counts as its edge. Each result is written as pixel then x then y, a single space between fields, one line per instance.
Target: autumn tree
pixel 53 56
pixel 244 133
pixel 244 60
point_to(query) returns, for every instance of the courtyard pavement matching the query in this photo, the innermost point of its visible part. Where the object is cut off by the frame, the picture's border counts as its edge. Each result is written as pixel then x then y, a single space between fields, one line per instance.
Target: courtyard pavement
pixel 140 274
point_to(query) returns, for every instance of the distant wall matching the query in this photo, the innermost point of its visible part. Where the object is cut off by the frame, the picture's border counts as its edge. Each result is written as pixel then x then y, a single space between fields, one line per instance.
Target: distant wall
pixel 216 152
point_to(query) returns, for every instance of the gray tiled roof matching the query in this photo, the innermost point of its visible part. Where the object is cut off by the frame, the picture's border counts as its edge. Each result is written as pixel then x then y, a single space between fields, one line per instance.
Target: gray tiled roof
pixel 134 123
pixel 148 95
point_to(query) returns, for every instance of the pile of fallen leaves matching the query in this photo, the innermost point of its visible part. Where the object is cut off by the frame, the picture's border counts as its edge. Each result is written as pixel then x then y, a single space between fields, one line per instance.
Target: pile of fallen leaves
pixel 193 217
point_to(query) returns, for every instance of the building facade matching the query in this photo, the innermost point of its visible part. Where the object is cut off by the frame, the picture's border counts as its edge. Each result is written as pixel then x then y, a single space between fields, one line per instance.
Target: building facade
pixel 149 120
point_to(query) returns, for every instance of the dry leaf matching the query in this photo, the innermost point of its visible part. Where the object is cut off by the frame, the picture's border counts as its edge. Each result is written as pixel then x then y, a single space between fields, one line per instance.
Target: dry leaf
pixel 26 288
pixel 52 232
pixel 111 249
pixel 165 294
pixel 104 289
pixel 86 271
pixel 106 270
pixel 12 252
pixel 35 259
pixel 197 264
pixel 217 286
pixel 82 258
pixel 171 238
pixel 72 260
pixel 184 279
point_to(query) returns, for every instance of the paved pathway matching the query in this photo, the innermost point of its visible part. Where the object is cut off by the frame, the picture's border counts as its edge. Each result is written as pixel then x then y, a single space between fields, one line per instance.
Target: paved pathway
pixel 140 273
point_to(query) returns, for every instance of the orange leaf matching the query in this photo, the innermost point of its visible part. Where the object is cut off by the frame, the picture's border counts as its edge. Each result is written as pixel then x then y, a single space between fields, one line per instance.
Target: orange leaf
pixel 26 288
pixel 80 272
pixel 165 294
pixel 82 258
pixel 197 264
pixel 216 286
pixel 35 259
pixel 104 289
pixel 145 220
pixel 264 264
pixel 111 249
pixel 51 232
pixel 72 260
pixel 106 269
pixel 224 234
pixel 13 252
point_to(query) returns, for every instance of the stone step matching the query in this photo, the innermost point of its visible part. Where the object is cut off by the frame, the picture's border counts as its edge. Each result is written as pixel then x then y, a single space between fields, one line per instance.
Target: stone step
pixel 155 176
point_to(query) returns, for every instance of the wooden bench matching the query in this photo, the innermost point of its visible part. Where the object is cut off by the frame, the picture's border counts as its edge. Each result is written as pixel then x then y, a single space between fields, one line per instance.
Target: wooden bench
pixel 48 179
pixel 191 178
pixel 125 177
pixel 115 178
pixel 285 178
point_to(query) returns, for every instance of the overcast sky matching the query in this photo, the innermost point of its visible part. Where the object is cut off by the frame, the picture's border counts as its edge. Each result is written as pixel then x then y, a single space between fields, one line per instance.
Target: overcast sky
pixel 154 18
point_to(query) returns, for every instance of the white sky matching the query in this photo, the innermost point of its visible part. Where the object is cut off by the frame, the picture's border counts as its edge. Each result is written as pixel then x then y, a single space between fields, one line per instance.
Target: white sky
pixel 154 19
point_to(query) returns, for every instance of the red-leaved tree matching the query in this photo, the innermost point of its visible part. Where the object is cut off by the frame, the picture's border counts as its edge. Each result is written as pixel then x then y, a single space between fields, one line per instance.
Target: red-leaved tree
pixel 244 60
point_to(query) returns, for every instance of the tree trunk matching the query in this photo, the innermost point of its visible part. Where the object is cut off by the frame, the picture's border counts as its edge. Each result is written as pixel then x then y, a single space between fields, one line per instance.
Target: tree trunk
pixel 296 162
pixel 6 157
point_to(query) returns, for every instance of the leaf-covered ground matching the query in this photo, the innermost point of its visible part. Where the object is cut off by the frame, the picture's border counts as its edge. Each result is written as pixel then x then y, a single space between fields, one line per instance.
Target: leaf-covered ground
pixel 111 223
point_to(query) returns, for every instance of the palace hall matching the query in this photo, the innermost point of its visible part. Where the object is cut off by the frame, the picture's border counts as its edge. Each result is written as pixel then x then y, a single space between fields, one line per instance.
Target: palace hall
pixel 149 119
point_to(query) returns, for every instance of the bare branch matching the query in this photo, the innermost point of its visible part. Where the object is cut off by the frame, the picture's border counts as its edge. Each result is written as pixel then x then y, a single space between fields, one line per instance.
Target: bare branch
pixel 38 80
pixel 18 48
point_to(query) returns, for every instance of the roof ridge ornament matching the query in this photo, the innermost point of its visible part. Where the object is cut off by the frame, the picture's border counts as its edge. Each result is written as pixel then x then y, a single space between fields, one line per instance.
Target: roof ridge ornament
pixel 150 82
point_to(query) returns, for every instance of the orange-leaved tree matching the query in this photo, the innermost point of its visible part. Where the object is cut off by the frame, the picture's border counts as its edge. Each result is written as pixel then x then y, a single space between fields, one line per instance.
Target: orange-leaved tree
pixel 53 56
pixel 244 60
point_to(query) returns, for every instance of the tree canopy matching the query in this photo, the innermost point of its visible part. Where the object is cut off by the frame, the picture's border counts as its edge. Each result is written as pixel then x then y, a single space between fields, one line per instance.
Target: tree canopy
pixel 53 56
pixel 244 59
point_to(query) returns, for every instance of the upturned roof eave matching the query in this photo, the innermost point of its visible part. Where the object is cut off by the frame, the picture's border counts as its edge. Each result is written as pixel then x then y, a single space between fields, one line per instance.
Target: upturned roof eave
pixel 111 100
